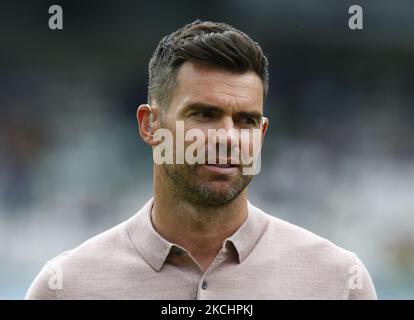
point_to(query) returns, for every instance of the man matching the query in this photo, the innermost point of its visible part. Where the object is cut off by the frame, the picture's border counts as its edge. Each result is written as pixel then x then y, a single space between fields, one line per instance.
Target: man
pixel 199 237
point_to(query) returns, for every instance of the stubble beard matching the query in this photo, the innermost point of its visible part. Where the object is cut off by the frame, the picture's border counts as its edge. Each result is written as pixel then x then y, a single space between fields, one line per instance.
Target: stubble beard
pixel 188 186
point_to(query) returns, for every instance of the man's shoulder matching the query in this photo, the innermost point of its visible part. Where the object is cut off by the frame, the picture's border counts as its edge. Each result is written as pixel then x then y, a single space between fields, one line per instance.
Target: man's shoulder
pixel 104 245
pixel 286 237
pixel 99 259
pixel 311 258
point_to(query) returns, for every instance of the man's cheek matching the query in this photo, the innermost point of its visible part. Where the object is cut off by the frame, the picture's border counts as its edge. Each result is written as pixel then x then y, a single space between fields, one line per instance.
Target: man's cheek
pixel 250 151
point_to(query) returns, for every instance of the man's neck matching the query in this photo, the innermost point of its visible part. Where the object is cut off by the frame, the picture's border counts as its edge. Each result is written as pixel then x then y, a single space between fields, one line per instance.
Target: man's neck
pixel 201 231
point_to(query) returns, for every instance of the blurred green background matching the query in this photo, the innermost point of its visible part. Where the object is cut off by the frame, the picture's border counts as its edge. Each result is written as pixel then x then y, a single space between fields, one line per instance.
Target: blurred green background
pixel 338 156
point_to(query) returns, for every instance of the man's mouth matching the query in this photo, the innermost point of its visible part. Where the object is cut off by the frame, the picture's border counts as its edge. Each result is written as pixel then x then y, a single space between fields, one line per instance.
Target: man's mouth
pixel 226 168
pixel 223 162
pixel 226 165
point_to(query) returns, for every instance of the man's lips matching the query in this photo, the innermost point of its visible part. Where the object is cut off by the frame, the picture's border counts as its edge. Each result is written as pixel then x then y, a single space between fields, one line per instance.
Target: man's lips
pixel 224 163
pixel 226 168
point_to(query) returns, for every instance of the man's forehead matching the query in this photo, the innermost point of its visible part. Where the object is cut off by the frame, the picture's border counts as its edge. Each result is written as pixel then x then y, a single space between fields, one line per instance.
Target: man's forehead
pixel 217 86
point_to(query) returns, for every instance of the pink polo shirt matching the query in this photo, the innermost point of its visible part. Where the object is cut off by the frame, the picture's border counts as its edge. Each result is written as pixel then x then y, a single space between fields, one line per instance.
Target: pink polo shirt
pixel 266 258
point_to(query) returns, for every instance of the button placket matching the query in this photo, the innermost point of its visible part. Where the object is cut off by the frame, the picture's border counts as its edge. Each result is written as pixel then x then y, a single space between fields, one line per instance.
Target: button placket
pixel 203 284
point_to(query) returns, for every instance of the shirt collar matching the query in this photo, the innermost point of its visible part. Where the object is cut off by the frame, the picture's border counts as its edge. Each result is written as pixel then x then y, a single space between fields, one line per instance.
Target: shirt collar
pixel 155 249
pixel 250 232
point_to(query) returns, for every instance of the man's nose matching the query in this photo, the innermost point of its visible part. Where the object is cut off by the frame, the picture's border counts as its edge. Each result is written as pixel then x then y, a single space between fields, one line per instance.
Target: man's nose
pixel 230 136
pixel 227 124
pixel 224 139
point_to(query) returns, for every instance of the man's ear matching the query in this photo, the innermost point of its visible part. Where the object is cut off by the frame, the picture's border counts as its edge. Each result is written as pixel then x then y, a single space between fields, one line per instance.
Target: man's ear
pixel 147 123
pixel 265 124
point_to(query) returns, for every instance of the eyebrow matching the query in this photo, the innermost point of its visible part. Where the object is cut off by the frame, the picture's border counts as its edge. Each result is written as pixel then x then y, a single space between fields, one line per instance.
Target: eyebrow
pixel 201 106
pixel 208 107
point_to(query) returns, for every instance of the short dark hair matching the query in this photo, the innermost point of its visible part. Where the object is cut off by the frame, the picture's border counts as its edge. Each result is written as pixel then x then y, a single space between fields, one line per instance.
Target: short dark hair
pixel 206 42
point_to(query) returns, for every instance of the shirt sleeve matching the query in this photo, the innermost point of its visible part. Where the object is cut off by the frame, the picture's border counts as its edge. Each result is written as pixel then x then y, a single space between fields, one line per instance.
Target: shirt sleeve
pixel 359 285
pixel 46 286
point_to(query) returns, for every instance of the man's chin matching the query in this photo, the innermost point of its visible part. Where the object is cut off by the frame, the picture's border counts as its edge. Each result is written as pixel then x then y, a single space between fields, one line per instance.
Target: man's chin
pixel 220 187
pixel 217 192
pixel 202 187
pixel 215 198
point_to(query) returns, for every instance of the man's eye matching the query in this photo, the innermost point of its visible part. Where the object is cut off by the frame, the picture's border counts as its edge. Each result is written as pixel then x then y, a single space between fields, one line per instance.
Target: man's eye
pixel 247 120
pixel 203 114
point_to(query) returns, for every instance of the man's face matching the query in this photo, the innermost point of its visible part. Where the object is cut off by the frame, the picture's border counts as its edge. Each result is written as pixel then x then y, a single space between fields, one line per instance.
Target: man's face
pixel 211 98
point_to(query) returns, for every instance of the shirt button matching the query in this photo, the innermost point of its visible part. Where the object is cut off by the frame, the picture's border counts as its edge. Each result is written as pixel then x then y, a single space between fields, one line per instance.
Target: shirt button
pixel 204 285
